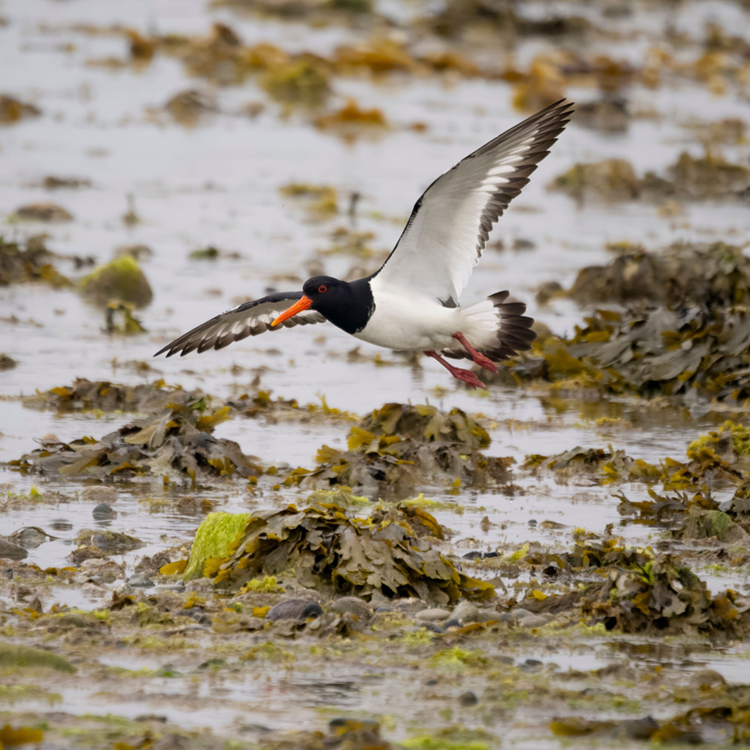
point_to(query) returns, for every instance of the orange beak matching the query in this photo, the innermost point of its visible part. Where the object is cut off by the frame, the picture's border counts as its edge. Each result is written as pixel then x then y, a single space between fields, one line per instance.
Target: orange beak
pixel 297 307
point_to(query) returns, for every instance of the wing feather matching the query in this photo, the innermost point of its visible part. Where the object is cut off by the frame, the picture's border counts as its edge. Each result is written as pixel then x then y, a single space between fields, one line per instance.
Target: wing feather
pixel 248 319
pixel 451 222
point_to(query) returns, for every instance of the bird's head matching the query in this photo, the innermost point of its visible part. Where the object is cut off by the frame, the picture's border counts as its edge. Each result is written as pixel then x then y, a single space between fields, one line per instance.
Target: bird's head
pixel 321 293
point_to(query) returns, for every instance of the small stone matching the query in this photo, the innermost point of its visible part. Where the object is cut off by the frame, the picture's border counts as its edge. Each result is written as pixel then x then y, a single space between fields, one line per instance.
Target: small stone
pixel 11 551
pixel 251 623
pixel 433 615
pixel 520 613
pixel 709 677
pixel 468 699
pixel 533 621
pixel 30 538
pixel 103 511
pixel 61 524
pixel 352 604
pixel 295 609
pixel 140 580
pixel 434 627
pixel 507 617
pixel 531 665
pixel 171 586
pixel 6 362
pixel 466 613
pixel 452 623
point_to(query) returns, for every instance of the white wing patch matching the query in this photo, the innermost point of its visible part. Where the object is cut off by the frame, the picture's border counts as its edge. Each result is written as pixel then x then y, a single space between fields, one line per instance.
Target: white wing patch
pixel 451 222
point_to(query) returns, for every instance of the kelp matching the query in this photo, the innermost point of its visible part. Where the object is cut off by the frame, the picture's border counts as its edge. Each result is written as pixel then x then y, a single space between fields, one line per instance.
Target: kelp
pixel 604 466
pixel 652 352
pixel 643 592
pixel 173 441
pixel 399 447
pixel 102 395
pixel 389 553
pixel 30 261
pixel 710 275
pixel 689 178
pixel 14 110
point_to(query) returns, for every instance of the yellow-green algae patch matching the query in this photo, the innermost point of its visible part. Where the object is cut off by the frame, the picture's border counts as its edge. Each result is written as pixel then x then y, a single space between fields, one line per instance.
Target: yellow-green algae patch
pixel 119 280
pixel 740 439
pixel 15 655
pixel 213 540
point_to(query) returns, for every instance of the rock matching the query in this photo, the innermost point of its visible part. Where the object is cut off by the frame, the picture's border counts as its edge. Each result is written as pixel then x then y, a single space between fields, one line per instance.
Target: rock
pixel 110 542
pixel 187 107
pixel 119 280
pixel 251 623
pixel 11 551
pixel 295 609
pixel 99 495
pixel 708 677
pixel 533 621
pixel 61 524
pixel 546 291
pixel 433 615
pixel 30 538
pixel 352 604
pixel 103 512
pixel 48 212
pixel 468 699
pixel 140 580
pixel 466 613
pixel 434 627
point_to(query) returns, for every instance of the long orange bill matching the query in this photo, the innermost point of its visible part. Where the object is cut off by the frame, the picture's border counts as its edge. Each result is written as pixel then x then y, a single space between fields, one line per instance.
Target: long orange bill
pixel 297 307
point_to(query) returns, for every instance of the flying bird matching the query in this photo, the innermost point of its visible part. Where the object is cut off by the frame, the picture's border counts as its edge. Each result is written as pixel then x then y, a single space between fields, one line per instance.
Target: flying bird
pixel 411 303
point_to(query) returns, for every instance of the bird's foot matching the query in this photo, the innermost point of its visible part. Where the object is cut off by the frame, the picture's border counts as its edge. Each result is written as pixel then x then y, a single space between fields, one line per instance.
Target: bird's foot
pixel 468 377
pixel 479 359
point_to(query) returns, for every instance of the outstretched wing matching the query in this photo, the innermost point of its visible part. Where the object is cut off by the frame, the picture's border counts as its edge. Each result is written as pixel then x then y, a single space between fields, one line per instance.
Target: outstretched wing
pixel 248 319
pixel 450 224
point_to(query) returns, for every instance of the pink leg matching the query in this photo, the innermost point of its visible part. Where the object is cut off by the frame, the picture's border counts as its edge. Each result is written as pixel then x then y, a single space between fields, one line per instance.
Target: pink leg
pixel 479 359
pixel 467 376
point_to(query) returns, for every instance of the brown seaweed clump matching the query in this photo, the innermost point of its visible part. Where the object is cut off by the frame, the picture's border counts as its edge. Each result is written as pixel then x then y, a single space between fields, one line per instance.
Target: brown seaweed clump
pixel 101 395
pixel 388 553
pixel 398 448
pixel 176 440
pixel 654 352
pixel 29 262
pixel 691 179
pixel 709 275
pixel 644 593
pixel 13 110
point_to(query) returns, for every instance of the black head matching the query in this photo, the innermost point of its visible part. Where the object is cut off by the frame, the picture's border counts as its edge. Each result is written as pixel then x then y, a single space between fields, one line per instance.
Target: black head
pixel 346 305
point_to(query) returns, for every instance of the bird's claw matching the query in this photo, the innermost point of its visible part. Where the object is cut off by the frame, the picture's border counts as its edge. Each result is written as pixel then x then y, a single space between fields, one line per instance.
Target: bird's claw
pixel 485 363
pixel 468 377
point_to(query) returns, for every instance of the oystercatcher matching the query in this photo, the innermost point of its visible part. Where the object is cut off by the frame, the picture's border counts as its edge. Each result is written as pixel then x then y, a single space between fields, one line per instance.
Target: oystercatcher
pixel 411 302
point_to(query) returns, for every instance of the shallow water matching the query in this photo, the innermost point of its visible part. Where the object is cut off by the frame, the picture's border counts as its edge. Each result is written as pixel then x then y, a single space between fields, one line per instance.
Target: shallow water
pixel 218 184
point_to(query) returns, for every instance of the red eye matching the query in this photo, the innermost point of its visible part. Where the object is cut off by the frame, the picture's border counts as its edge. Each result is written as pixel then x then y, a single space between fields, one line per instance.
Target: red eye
pixel 322 288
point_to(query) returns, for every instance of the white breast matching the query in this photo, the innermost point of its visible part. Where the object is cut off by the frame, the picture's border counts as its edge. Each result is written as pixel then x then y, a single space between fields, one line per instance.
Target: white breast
pixel 406 320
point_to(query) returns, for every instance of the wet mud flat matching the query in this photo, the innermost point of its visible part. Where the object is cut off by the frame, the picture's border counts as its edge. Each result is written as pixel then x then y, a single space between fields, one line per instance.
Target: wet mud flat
pixel 297 542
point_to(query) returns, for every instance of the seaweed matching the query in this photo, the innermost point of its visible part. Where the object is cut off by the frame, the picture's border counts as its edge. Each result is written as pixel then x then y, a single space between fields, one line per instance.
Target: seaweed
pixel 13 110
pixel 176 440
pixel 120 280
pixel 389 553
pixel 29 262
pixel 715 274
pixel 398 448
pixel 102 395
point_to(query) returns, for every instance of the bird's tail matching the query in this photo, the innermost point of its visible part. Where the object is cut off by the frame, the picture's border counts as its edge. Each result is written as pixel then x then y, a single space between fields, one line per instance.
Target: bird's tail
pixel 496 327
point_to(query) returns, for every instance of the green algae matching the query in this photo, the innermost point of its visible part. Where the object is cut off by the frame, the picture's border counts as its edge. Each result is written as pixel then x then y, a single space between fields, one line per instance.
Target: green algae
pixel 15 655
pixel 740 439
pixel 214 540
pixel 120 280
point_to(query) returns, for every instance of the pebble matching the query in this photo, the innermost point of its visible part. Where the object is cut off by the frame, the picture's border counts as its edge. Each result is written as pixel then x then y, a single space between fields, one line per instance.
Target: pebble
pixel 352 604
pixel 61 524
pixel 533 621
pixel 468 699
pixel 103 512
pixel 434 627
pixel 30 538
pixel 141 581
pixel 295 609
pixel 466 613
pixel 433 615
pixel 171 586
